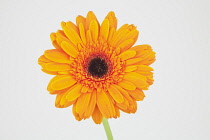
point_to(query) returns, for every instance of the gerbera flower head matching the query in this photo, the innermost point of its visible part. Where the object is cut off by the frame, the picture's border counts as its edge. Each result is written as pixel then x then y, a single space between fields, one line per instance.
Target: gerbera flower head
pixel 97 69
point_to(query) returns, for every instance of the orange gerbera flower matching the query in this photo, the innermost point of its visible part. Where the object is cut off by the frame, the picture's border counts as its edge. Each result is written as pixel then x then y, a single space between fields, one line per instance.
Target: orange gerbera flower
pixel 97 69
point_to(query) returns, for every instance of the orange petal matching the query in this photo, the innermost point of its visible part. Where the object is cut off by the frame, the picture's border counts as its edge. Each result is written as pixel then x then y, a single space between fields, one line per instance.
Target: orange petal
pixel 73 26
pixel 125 26
pixel 58 91
pixel 104 30
pixel 118 36
pixel 126 44
pixel 130 68
pixel 60 38
pixel 127 54
pixel 61 101
pixel 144 68
pixel 117 111
pixel 62 82
pixel 116 95
pixel 72 35
pixel 51 81
pixel 105 105
pixel 137 94
pixel 127 85
pixel 57 56
pixel 58 99
pixel 94 30
pixel 56 45
pixel 97 116
pixel 142 50
pixel 90 16
pixel 84 89
pixel 52 37
pixel 42 58
pixel 69 49
pixel 82 103
pixel 50 72
pixel 123 92
pixel 89 36
pixel 63 72
pixel 54 42
pixel 131 35
pixel 133 61
pixel 91 105
pixel 80 19
pixel 112 20
pixel 149 59
pixel 82 32
pixel 137 79
pixel 76 115
pixel 56 67
pixel 74 93
pixel 111 34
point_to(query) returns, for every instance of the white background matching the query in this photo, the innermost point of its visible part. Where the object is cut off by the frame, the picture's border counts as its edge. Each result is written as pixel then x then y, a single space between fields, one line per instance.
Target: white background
pixel 177 106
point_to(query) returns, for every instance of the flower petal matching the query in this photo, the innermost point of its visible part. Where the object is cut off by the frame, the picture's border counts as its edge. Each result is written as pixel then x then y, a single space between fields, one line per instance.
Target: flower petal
pixel 73 26
pixel 123 92
pixel 90 16
pixel 89 36
pixel 80 19
pixel 117 112
pixel 146 53
pixel 56 67
pixel 130 68
pixel 50 72
pixel 91 106
pixel 52 36
pixel 130 35
pixel 94 30
pixel 69 49
pixel 116 95
pixel 62 82
pixel 60 38
pixel 127 54
pixel 74 93
pixel 111 34
pixel 144 68
pixel 133 61
pixel 49 88
pixel 58 91
pixel 42 58
pixel 149 59
pixel 105 105
pixel 104 30
pixel 127 85
pixel 112 20
pixel 72 35
pixel 82 103
pixel 118 32
pixel 61 101
pixel 137 79
pixel 57 56
pixel 76 115
pixel 97 116
pixel 84 89
pixel 54 42
pixel 118 36
pixel 137 94
pixel 58 99
pixel 82 32
pixel 126 44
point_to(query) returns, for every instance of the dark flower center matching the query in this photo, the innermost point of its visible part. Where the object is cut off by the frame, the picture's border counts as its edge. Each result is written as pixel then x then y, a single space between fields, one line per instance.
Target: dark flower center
pixel 97 67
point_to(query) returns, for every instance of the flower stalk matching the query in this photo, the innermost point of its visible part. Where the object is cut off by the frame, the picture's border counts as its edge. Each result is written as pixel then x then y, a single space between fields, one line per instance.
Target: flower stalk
pixel 107 129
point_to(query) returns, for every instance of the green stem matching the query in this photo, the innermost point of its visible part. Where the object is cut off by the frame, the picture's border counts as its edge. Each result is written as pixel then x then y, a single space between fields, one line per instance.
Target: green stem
pixel 107 129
